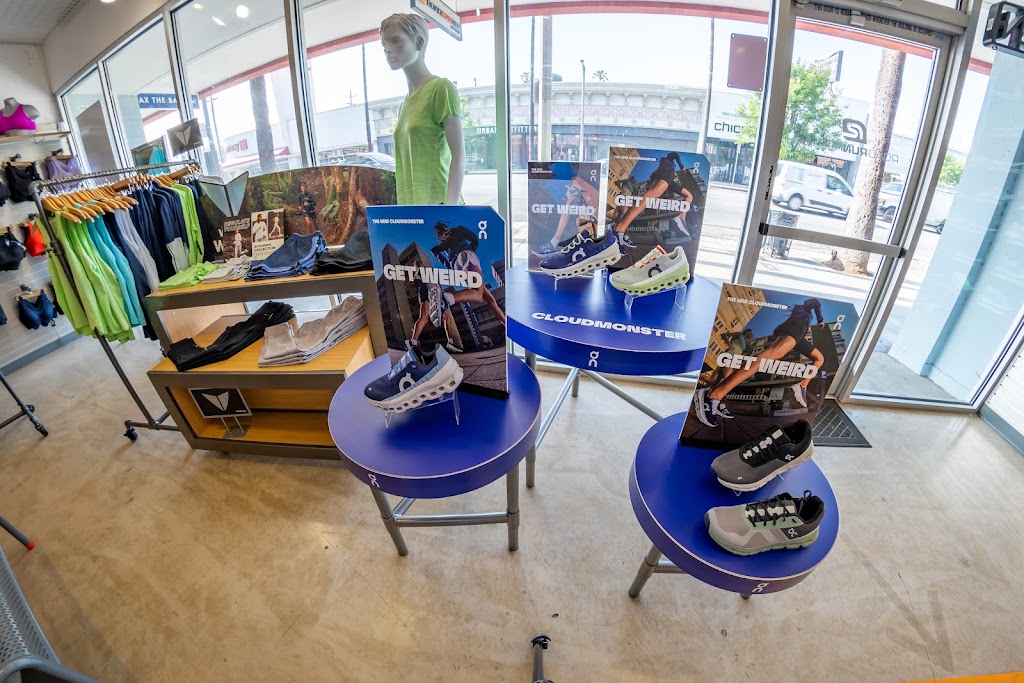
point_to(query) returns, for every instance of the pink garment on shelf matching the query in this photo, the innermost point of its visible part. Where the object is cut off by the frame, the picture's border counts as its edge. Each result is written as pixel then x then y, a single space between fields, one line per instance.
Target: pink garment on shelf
pixel 19 120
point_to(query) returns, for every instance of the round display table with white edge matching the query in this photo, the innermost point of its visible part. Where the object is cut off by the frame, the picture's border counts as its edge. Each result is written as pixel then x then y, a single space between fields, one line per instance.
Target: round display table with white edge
pixel 584 323
pixel 425 454
pixel 672 487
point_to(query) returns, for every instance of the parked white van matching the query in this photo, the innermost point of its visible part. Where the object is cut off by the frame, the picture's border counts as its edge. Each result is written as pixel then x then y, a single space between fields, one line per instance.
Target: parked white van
pixel 802 186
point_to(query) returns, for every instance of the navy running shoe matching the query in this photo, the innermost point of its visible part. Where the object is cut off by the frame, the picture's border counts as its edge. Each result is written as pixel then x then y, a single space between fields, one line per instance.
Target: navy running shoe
pixel 436 303
pixel 582 255
pixel 419 376
pixel 625 243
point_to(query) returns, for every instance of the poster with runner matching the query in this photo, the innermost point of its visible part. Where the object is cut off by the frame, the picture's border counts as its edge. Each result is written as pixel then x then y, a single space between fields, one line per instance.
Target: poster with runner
pixel 440 273
pixel 655 198
pixel 267 232
pixel 770 361
pixel 237 240
pixel 564 198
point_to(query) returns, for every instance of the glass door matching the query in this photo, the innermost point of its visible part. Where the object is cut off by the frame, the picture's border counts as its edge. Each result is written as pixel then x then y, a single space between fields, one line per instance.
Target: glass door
pixel 858 101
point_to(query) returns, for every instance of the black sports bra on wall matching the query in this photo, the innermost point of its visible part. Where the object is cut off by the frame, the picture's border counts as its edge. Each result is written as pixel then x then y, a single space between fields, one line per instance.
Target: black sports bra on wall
pixel 12 252
pixel 18 180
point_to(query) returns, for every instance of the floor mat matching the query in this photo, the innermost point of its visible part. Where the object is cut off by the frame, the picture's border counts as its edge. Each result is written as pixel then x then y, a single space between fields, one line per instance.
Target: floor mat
pixel 833 427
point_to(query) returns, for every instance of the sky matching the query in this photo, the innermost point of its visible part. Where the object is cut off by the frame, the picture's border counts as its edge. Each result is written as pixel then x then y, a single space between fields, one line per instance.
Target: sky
pixel 671 51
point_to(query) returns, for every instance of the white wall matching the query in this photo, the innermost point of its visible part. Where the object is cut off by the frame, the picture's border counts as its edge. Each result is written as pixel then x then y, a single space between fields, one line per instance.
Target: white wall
pixel 23 77
pixel 88 32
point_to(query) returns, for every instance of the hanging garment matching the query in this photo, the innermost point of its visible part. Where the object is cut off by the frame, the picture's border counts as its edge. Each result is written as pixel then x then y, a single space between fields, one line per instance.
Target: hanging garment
pixel 142 216
pixel 122 271
pixel 61 168
pixel 295 257
pixel 3 316
pixel 193 234
pixel 284 346
pixel 35 245
pixel 192 275
pixel 170 222
pixel 141 281
pixel 5 194
pixel 12 252
pixel 211 235
pixel 36 314
pixel 18 181
pixel 130 238
pixel 186 354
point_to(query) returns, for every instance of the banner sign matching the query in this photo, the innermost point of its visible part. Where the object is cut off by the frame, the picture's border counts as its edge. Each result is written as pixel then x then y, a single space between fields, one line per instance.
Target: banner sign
pixel 156 100
pixel 440 274
pixel 443 16
pixel 564 198
pixel 770 361
pixel 220 402
pixel 184 137
pixel 656 198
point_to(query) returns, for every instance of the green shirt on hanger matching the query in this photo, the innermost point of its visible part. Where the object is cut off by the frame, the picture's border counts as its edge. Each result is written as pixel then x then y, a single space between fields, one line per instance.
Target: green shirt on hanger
pixel 195 235
pixel 422 156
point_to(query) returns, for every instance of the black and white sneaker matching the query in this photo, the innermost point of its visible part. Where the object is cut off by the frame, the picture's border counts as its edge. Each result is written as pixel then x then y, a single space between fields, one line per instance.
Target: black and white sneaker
pixel 760 460
pixel 703 408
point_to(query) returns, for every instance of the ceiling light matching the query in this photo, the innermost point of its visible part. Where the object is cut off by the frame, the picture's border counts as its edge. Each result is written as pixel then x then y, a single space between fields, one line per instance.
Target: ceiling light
pixel 197 5
pixel 242 12
pixel 218 21
pixel 106 2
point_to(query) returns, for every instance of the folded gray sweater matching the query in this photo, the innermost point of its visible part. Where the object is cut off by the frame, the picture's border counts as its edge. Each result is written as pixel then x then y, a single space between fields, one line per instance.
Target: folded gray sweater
pixel 283 345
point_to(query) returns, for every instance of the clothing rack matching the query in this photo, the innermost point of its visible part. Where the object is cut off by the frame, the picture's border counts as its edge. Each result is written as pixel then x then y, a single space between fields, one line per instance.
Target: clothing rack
pixel 25 410
pixel 57 248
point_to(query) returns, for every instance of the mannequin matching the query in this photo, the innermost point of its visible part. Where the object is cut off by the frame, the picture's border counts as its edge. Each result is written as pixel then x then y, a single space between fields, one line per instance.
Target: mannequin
pixel 430 153
pixel 16 117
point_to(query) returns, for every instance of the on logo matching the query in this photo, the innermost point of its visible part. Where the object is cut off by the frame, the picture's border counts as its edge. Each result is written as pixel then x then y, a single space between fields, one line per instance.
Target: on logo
pixel 855 131
pixel 578 254
pixel 792 532
pixel 373 480
pixel 482 228
pixel 760 587
pixel 592 363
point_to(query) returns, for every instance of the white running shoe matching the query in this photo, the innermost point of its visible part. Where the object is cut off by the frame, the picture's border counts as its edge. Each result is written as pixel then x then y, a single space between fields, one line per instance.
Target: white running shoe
pixel 799 395
pixel 658 271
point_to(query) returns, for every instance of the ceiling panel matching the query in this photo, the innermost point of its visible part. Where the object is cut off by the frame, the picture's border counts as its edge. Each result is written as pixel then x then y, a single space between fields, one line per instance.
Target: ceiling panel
pixel 29 21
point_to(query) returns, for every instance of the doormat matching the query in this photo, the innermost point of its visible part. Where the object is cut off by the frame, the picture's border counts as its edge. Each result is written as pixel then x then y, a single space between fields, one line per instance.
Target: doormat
pixel 833 427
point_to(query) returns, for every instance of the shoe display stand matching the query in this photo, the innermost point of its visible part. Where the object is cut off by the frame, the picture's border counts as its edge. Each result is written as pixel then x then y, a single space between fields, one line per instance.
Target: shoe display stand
pixel 289 403
pixel 586 325
pixel 423 453
pixel 672 487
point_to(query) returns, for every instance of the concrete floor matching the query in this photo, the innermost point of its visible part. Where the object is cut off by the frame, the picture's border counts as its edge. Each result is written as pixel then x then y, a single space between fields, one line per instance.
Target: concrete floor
pixel 157 563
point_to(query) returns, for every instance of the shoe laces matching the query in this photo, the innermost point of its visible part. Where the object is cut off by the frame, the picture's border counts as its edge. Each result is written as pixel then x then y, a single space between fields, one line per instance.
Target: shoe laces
pixel 576 241
pixel 652 256
pixel 771 510
pixel 761 449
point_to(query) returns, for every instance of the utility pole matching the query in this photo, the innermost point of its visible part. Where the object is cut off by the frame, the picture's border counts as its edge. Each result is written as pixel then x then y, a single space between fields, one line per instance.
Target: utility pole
pixel 532 144
pixel 545 137
pixel 583 103
pixel 366 104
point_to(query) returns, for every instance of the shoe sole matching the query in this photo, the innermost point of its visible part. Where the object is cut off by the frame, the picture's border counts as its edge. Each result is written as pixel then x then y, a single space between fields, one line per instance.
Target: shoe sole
pixel 671 280
pixel 799 460
pixel 603 258
pixel 435 310
pixel 444 382
pixel 700 413
pixel 804 542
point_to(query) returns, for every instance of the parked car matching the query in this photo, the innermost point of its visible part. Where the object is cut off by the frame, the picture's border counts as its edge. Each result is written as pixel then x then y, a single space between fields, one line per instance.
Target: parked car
pixel 889 200
pixel 371 159
pixel 802 186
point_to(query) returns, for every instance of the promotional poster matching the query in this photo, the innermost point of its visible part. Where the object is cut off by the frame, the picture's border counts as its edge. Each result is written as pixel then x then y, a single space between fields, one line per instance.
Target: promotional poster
pixel 770 361
pixel 655 198
pixel 331 199
pixel 267 232
pixel 564 198
pixel 237 240
pixel 440 274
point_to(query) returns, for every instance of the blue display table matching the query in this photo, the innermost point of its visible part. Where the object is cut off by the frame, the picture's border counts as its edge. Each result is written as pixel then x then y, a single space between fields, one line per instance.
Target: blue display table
pixel 425 454
pixel 584 323
pixel 672 486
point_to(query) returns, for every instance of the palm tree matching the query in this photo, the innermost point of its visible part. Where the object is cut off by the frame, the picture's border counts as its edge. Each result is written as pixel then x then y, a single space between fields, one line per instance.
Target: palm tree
pixel 601 75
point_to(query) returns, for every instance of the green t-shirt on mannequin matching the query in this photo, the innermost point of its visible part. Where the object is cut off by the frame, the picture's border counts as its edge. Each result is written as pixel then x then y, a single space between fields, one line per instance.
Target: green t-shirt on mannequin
pixel 422 156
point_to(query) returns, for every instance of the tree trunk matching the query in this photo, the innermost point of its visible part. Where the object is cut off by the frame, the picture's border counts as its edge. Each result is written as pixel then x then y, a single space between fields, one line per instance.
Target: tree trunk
pixel 861 222
pixel 261 115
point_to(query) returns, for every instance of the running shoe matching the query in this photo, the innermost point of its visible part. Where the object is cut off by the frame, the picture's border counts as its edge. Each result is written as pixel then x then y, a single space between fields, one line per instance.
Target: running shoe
pixel 657 271
pixel 799 394
pixel 545 249
pixel 582 255
pixel 705 408
pixel 773 524
pixel 419 376
pixel 625 244
pixel 757 462
pixel 453 347
pixel 436 303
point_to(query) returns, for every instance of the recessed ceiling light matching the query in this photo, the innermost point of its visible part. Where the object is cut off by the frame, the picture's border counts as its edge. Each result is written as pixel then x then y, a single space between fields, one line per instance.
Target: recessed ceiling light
pixel 106 2
pixel 242 12
pixel 218 21
pixel 197 5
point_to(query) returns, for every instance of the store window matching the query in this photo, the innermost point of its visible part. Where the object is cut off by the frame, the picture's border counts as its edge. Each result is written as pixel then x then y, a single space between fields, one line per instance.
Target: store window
pixel 960 301
pixel 356 97
pixel 646 93
pixel 236 64
pixel 143 94
pixel 83 106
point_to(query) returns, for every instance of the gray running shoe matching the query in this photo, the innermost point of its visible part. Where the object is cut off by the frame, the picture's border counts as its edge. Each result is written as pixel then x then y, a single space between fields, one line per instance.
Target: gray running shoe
pixel 773 524
pixel 771 453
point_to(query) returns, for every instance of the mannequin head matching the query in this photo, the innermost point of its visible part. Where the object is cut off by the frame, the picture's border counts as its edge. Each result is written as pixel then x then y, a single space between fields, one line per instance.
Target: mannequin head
pixel 404 37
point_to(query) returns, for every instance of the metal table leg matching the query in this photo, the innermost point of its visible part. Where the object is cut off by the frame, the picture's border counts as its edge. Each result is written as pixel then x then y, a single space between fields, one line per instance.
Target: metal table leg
pixel 576 386
pixel 531 468
pixel 531 360
pixel 540 643
pixel 388 515
pixel 512 506
pixel 647 568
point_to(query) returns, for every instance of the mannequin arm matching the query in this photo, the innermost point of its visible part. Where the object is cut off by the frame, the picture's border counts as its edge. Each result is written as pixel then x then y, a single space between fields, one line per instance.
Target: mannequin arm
pixel 457 172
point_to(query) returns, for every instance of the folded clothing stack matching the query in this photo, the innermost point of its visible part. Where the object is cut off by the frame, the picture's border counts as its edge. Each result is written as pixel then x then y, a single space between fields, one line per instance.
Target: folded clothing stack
pixel 186 354
pixel 284 346
pixel 192 275
pixel 295 257
pixel 355 255
pixel 233 269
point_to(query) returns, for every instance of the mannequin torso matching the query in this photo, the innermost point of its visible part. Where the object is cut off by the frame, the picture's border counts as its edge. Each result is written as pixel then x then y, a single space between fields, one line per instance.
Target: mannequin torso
pixel 17 117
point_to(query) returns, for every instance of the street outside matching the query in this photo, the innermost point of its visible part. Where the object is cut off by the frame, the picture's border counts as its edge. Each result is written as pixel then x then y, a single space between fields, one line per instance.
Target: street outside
pixel 803 270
